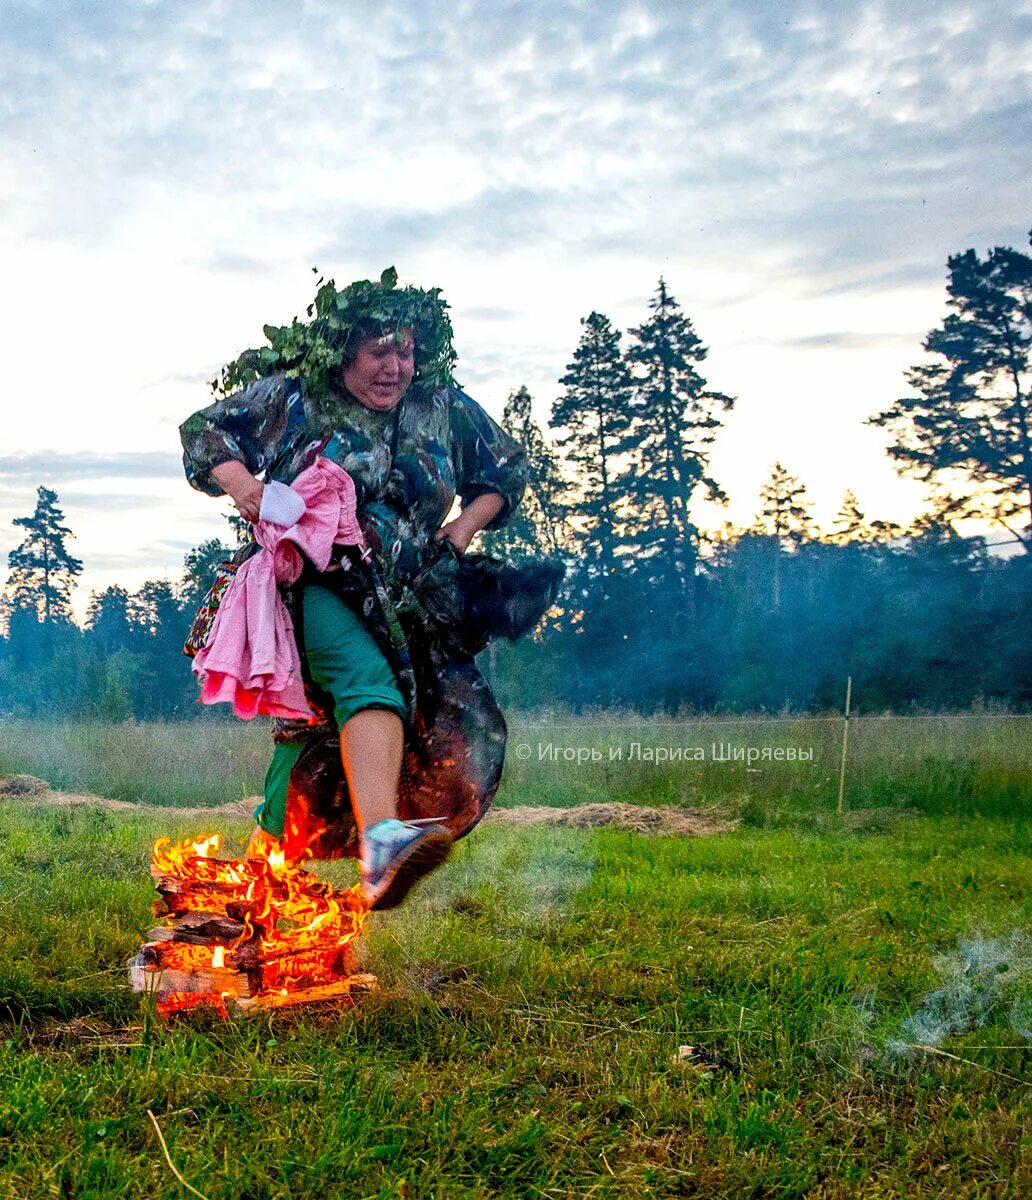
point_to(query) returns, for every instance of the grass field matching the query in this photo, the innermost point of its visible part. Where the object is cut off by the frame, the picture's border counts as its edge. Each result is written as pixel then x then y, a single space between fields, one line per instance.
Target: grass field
pixel 535 993
pixel 970 764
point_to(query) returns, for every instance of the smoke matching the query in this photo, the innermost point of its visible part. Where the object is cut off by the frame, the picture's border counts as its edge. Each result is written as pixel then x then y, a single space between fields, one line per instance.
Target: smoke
pixel 534 872
pixel 981 980
pixel 485 913
pixel 552 875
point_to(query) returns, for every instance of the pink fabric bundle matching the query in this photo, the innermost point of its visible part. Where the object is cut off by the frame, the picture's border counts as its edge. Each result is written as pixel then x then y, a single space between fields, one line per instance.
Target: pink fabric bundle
pixel 251 659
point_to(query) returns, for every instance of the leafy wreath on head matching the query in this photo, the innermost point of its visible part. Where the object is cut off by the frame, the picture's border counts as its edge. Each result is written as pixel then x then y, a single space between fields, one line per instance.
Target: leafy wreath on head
pixel 338 320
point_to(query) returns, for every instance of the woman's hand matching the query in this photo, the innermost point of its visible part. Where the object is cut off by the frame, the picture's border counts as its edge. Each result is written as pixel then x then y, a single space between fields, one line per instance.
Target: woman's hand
pixel 479 512
pixel 458 533
pixel 241 486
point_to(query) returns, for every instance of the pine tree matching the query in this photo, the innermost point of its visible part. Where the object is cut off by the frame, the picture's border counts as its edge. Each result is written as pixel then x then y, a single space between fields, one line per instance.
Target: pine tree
pixel 595 412
pixel 43 572
pixel 784 516
pixel 538 523
pixel 850 524
pixel 785 511
pixel 970 415
pixel 675 419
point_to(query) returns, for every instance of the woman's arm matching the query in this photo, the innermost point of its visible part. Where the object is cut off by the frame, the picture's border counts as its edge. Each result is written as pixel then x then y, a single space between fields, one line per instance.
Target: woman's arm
pixel 242 430
pixel 476 515
pixel 490 466
pixel 241 486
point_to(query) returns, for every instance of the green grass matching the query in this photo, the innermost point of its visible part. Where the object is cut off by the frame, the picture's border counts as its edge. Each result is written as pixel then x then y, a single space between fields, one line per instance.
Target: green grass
pixel 972 764
pixel 960 764
pixel 533 997
pixel 174 763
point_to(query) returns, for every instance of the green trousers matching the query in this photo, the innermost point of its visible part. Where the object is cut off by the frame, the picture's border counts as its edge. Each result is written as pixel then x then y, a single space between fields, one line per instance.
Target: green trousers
pixel 344 660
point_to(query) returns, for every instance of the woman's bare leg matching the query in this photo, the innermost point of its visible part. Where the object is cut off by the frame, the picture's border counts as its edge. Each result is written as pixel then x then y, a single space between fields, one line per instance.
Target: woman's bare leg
pixel 371 745
pixel 398 856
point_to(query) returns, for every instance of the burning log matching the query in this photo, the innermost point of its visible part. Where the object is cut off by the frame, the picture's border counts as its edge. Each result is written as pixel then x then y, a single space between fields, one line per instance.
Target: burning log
pixel 258 932
pixel 203 929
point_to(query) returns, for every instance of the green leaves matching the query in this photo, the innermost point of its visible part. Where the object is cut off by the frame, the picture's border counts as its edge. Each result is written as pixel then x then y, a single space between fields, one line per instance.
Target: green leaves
pixel 315 349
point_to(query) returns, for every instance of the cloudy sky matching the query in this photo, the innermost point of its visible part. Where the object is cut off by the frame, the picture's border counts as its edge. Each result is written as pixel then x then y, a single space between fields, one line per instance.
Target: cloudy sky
pixel 797 171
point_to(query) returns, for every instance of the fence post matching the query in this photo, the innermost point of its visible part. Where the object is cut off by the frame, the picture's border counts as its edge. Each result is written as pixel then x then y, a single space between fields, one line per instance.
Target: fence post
pixel 845 746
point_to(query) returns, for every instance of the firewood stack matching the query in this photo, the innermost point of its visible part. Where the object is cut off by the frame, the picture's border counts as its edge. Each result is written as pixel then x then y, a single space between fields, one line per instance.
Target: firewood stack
pixel 246 933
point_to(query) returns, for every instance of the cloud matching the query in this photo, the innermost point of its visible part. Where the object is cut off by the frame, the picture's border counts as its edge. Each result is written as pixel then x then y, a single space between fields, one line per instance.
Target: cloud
pixel 111 502
pixel 496 219
pixel 234 264
pixel 842 339
pixel 487 312
pixel 148 558
pixel 189 379
pixel 377 131
pixel 51 467
pixel 878 279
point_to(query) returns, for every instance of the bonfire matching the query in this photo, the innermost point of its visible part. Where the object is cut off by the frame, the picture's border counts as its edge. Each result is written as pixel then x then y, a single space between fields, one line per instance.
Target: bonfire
pixel 258 932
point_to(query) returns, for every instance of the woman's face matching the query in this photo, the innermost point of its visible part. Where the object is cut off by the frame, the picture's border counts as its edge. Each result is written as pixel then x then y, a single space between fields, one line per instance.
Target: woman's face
pixel 381 371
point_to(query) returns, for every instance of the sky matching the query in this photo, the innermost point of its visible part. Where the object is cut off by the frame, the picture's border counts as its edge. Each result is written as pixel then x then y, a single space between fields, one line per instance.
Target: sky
pixel 798 172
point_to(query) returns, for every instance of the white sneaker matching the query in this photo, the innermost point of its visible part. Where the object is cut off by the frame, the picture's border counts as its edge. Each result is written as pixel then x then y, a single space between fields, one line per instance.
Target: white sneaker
pixel 397 854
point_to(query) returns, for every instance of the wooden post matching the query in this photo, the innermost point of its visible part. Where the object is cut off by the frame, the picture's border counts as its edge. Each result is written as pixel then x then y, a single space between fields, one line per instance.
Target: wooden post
pixel 845 747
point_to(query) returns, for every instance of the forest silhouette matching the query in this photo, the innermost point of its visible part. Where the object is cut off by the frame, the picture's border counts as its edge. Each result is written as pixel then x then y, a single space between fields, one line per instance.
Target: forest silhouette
pixel 657 614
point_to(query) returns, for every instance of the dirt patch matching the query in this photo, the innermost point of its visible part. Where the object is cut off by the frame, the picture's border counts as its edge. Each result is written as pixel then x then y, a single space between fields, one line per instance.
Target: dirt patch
pixel 686 822
pixel 430 977
pixel 37 793
pixel 83 1032
pixel 877 820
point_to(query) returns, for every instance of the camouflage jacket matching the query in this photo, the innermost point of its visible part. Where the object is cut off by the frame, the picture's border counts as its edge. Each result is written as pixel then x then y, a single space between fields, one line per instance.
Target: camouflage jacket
pixel 408 467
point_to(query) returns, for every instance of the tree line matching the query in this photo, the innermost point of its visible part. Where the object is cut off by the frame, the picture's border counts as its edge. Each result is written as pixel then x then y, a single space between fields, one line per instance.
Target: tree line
pixel 657 613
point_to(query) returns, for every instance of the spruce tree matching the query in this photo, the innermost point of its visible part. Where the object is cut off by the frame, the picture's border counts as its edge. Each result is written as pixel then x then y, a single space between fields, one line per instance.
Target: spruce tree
pixel 168 683
pixel 42 571
pixel 110 619
pixel 851 526
pixel 675 417
pixel 157 608
pixel 595 413
pixel 967 425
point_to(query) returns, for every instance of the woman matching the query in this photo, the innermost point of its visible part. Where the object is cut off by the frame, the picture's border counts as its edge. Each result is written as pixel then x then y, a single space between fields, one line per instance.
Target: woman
pixel 409 751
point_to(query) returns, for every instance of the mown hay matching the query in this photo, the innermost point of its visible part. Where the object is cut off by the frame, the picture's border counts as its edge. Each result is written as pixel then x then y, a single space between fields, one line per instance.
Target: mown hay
pixel 23 785
pixel 686 822
pixel 38 793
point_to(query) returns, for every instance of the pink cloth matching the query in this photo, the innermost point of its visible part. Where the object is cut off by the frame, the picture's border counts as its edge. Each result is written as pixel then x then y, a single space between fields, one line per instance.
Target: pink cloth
pixel 250 659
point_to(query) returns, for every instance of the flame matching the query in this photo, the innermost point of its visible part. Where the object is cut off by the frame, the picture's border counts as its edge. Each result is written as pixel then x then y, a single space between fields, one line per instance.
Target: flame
pixel 202 848
pixel 296 928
